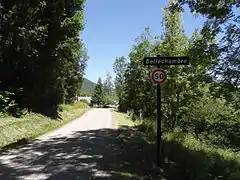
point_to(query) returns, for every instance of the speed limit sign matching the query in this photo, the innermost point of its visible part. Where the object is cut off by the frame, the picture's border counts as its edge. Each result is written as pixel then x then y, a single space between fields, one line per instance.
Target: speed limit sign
pixel 158 76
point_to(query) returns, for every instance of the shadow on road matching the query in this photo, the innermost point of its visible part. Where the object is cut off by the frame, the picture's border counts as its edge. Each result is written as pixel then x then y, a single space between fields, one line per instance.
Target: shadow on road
pixel 98 154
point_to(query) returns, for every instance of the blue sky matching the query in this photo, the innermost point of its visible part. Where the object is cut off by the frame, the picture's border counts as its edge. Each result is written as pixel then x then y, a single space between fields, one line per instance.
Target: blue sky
pixel 113 25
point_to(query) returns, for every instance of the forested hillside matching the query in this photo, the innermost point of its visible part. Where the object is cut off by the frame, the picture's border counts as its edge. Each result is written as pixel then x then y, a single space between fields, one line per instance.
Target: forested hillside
pixel 201 99
pixel 87 86
pixel 42 58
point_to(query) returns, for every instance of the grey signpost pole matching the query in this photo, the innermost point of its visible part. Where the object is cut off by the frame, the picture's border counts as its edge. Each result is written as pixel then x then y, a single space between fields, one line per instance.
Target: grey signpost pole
pixel 159 127
pixel 157 61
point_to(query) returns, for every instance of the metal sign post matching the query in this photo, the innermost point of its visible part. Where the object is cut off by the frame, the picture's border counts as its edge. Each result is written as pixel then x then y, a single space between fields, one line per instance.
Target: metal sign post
pixel 158 76
pixel 159 127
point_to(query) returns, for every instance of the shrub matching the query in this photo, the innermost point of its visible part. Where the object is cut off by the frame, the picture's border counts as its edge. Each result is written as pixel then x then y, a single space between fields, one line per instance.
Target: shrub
pixel 200 161
pixel 8 105
pixel 213 121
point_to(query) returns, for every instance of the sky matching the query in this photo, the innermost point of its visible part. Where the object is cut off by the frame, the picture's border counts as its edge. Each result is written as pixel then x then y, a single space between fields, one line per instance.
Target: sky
pixel 113 25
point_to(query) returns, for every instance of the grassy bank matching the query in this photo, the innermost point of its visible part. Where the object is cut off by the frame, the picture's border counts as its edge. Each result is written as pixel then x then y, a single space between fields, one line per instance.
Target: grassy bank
pixel 123 119
pixel 32 125
pixel 189 158
pixel 200 161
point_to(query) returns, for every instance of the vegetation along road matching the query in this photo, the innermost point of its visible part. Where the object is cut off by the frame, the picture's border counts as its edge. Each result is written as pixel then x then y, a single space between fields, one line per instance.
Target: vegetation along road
pixel 53 55
pixel 90 147
pixel 70 152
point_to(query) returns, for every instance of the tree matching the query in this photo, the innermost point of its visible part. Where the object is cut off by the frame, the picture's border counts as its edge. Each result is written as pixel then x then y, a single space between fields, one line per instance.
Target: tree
pixel 119 68
pixel 98 94
pixel 108 88
pixel 138 90
pixel 184 84
pixel 212 9
pixel 42 58
pixel 222 17
pixel 140 94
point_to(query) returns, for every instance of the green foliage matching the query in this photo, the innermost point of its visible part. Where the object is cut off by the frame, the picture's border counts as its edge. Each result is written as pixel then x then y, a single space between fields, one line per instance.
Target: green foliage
pixel 88 94
pixel 42 58
pixel 104 93
pixel 119 67
pixel 212 121
pixel 194 99
pixel 197 160
pixel 98 94
pixel 185 156
pixel 222 17
pixel 8 105
pixel 213 9
pixel 87 87
pixel 5 101
pixel 32 125
pixel 109 90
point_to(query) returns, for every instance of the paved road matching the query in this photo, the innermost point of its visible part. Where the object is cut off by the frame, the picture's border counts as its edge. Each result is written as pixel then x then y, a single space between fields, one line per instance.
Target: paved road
pixel 87 148
pixel 92 120
pixel 61 154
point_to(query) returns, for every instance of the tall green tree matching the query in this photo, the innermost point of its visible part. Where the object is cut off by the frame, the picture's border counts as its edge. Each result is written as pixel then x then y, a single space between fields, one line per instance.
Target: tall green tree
pixel 98 94
pixel 173 42
pixel 190 93
pixel 119 68
pixel 108 86
pixel 223 18
pixel 42 57
pixel 183 85
pixel 139 92
pixel 108 89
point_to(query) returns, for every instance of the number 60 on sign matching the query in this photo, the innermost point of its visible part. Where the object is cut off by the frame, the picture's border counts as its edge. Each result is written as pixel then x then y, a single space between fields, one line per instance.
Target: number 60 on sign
pixel 158 76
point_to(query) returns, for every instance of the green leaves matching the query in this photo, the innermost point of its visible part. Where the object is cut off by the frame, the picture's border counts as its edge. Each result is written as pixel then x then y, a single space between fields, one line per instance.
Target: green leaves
pixel 42 52
pixel 7 105
pixel 222 17
pixel 120 69
pixel 192 100
pixel 98 94
pixel 213 9
pixel 210 118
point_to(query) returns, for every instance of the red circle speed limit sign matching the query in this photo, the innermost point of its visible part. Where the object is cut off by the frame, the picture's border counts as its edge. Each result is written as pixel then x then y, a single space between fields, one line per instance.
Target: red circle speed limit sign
pixel 158 76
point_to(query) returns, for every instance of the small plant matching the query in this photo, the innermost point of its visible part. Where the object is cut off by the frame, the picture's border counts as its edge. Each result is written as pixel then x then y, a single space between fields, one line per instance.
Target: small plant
pixel 8 105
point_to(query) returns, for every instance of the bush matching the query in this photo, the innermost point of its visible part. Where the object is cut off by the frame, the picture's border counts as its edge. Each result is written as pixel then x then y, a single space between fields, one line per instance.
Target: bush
pixel 192 158
pixel 200 161
pixel 212 121
pixel 84 101
pixel 8 105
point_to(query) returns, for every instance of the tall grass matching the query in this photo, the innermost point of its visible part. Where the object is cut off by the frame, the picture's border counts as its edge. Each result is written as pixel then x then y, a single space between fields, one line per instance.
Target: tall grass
pixel 200 161
pixel 123 119
pixel 194 158
pixel 191 158
pixel 32 125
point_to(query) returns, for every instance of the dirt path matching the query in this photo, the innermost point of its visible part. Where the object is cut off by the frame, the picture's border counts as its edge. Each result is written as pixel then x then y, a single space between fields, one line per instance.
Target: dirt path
pixel 87 148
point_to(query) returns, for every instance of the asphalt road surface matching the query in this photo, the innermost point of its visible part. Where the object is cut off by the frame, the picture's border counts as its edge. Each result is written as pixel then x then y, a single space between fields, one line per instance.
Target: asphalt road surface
pixel 90 147
pixel 60 154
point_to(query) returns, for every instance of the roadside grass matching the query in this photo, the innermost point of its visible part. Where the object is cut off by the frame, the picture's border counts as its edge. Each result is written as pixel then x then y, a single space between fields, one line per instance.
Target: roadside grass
pixel 32 125
pixel 123 120
pixel 201 161
pixel 189 158
pixel 128 175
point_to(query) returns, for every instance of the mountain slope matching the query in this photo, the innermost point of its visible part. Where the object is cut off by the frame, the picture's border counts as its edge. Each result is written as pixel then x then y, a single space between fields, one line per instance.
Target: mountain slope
pixel 87 86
